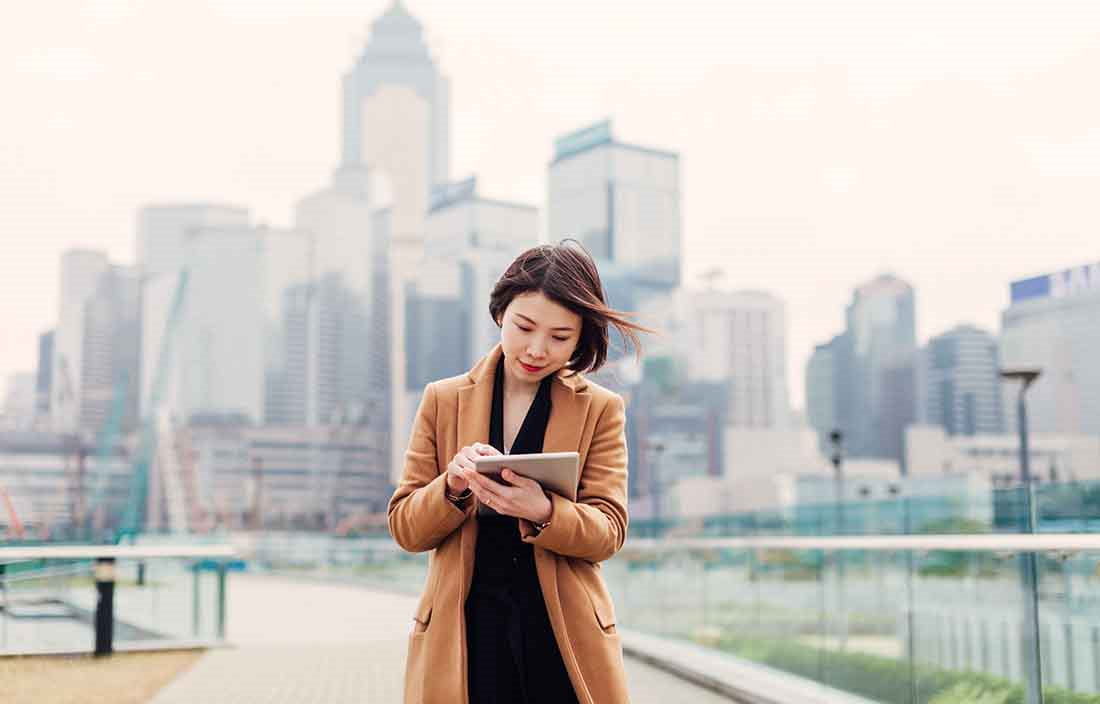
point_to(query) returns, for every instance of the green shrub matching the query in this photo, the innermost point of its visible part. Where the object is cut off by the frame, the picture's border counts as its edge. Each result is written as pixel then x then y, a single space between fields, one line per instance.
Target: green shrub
pixel 884 679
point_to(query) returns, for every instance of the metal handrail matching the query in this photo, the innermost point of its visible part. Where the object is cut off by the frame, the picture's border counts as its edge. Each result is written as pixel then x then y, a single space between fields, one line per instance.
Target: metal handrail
pixel 120 552
pixel 996 542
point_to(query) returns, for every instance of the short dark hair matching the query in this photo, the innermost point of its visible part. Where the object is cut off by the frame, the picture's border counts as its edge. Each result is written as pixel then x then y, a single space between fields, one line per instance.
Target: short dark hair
pixel 566 274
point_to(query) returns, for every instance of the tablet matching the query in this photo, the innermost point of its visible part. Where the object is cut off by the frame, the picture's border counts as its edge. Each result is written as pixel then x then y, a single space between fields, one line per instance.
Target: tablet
pixel 559 472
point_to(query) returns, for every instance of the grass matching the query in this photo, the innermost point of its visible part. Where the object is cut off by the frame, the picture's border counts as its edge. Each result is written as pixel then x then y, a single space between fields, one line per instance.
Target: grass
pixel 123 678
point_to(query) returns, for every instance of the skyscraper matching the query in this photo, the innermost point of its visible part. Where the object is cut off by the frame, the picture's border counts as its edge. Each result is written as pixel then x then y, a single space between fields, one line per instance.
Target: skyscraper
pixel 396 147
pixel 740 337
pixel 44 378
pixel 396 56
pixel 959 375
pixel 821 389
pixel 622 201
pixel 95 345
pixel 874 369
pixel 1053 324
pixel 480 237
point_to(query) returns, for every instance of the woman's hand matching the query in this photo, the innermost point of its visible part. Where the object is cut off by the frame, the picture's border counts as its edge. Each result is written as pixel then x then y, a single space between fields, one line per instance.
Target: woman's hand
pixel 521 497
pixel 464 459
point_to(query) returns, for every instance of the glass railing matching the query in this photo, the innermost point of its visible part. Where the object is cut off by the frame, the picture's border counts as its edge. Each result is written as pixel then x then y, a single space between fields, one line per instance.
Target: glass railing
pixel 159 597
pixel 1067 507
pixel 904 620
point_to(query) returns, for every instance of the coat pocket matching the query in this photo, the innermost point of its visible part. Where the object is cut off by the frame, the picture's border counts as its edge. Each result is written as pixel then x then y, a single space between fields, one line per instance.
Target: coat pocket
pixel 592 583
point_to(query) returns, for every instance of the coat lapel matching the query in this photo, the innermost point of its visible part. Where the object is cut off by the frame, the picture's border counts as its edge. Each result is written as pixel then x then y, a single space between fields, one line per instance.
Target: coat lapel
pixel 568 413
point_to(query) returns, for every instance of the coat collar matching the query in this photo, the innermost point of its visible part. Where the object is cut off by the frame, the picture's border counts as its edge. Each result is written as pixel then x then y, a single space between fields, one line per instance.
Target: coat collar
pixel 482 373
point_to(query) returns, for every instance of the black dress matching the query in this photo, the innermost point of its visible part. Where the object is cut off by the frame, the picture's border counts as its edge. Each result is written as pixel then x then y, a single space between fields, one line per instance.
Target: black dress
pixel 512 657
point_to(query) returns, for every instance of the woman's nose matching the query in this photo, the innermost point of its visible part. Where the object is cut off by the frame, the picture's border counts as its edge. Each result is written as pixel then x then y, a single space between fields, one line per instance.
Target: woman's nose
pixel 536 351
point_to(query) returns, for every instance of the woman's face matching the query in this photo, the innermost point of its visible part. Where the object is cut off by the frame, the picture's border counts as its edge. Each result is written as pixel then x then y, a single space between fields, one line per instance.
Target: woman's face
pixel 538 336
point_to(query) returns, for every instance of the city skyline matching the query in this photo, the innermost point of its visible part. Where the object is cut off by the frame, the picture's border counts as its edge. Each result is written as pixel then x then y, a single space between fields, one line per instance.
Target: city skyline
pixel 1012 179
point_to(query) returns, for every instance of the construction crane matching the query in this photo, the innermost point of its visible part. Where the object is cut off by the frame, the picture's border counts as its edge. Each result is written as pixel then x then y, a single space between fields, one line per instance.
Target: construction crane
pixel 134 514
pixel 16 531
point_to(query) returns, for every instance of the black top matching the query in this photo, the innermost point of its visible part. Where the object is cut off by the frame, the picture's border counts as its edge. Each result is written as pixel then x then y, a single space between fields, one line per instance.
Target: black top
pixel 512 657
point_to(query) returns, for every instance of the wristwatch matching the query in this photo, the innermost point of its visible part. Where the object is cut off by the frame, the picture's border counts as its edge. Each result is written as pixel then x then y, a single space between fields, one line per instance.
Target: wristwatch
pixel 539 527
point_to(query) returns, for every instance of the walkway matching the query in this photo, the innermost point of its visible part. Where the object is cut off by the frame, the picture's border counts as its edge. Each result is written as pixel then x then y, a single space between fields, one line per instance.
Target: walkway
pixel 310 643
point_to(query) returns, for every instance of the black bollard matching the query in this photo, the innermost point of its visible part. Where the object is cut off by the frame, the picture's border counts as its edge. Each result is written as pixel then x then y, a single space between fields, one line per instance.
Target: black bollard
pixel 105 607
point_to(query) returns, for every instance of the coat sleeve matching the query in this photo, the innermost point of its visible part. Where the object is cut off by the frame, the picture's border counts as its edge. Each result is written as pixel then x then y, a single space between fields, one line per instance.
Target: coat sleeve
pixel 593 528
pixel 420 516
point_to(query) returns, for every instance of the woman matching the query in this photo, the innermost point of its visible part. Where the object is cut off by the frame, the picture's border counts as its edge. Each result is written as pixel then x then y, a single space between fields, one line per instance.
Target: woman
pixel 514 610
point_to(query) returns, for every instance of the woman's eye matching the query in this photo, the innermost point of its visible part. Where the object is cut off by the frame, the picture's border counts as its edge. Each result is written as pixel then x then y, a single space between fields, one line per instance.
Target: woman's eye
pixel 561 339
pixel 523 328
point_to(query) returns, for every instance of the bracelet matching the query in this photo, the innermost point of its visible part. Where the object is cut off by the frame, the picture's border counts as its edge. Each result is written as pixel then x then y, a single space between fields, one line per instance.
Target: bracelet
pixel 456 499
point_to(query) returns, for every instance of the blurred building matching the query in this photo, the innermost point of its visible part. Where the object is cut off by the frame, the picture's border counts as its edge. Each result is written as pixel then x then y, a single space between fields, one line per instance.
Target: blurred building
pixel 674 430
pixel 163 230
pixel 622 201
pixel 740 337
pixel 44 378
pixel 869 388
pixel 961 383
pixel 823 389
pixel 96 345
pixel 396 56
pixel 54 480
pixel 17 412
pixel 1052 325
pixel 1062 457
pixel 215 356
pixel 305 478
pixel 470 241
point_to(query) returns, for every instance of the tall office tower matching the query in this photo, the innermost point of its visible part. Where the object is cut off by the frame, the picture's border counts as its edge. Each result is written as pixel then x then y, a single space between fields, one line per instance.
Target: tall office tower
pixel 821 389
pixel 479 237
pixel 289 293
pixel 437 325
pixel 880 357
pixel 396 140
pixel 622 201
pixel 94 344
pixel 112 347
pixel 163 230
pixel 216 355
pixel 44 379
pixel 337 219
pixel 397 57
pixel 741 337
pixel 1053 324
pixel 962 390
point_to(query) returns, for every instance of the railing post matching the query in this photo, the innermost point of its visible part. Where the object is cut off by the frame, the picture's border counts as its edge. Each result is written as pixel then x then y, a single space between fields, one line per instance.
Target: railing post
pixel 221 600
pixel 195 599
pixel 105 606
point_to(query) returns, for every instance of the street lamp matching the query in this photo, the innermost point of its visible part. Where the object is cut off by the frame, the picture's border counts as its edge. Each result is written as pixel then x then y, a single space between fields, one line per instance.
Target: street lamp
pixel 1028 571
pixel 836 438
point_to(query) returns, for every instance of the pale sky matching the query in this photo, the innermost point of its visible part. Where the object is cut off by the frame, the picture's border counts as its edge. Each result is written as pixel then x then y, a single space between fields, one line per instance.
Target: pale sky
pixel 955 143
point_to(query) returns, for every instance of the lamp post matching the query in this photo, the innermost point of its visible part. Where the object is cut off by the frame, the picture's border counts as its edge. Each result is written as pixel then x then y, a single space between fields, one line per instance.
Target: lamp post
pixel 1028 572
pixel 836 458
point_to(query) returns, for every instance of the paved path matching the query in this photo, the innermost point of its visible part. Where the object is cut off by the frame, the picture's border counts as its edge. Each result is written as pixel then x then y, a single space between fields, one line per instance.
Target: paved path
pixel 308 643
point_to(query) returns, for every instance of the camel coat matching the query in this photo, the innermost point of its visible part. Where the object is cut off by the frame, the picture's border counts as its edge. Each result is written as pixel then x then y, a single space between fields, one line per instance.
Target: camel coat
pixel 585 418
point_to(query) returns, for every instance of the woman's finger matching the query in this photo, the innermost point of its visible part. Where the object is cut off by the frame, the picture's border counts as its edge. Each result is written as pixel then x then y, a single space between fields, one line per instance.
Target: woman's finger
pixel 519 480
